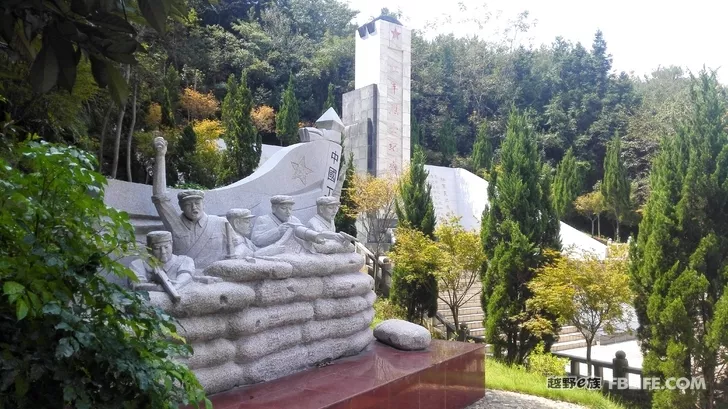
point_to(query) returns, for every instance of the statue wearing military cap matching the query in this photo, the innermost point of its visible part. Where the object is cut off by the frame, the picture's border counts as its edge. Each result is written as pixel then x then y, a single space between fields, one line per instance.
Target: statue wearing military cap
pixel 240 220
pixel 327 207
pixel 196 234
pixel 178 269
pixel 270 228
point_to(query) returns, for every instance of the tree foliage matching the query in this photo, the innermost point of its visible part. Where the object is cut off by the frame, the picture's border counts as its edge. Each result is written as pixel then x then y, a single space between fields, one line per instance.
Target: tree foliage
pixel 482 156
pixel 588 292
pixel 345 218
pixel 615 186
pixel 288 116
pixel 242 139
pixel 198 105
pixel 414 207
pixel 416 260
pixel 518 225
pixel 566 186
pixel 679 259
pixel 69 337
pixel 591 206
pixel 461 259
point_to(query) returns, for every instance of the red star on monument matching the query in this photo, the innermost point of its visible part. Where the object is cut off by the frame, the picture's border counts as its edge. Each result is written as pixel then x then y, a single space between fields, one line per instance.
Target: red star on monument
pixel 395 33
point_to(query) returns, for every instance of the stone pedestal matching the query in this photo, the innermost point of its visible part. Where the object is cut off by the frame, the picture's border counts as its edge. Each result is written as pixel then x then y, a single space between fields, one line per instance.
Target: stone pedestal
pixel 448 375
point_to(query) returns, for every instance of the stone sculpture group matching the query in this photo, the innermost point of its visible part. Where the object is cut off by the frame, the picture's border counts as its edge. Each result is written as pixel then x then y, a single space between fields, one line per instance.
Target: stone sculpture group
pixel 256 297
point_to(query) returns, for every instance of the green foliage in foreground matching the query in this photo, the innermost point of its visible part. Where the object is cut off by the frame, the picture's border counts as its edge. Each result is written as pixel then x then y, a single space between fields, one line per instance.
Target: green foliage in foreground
pixel 69 338
pixel 386 310
pixel 516 379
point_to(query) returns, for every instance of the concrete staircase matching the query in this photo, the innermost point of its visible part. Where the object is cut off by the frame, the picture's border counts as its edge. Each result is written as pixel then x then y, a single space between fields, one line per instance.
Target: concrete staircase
pixel 472 314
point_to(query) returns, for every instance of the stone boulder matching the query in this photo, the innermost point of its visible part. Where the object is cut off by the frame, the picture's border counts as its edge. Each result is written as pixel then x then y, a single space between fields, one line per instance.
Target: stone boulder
pixel 403 335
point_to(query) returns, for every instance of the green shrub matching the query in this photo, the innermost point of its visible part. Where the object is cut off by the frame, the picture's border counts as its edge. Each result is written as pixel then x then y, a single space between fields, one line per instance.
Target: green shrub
pixel 68 337
pixel 385 310
pixel 545 363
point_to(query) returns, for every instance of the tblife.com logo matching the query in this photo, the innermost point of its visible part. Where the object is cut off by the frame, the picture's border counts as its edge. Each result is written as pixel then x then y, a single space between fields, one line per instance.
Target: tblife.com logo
pixel 573 382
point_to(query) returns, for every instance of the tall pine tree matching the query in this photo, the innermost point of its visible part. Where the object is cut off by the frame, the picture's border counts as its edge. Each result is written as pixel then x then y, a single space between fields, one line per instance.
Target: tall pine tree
pixel 288 116
pixel 416 291
pixel 567 185
pixel 330 99
pixel 482 155
pixel 243 141
pixel 415 209
pixel 518 225
pixel 680 258
pixel 615 186
pixel 344 220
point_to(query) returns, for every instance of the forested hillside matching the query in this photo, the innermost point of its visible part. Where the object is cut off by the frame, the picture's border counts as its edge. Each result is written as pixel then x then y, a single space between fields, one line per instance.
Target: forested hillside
pixel 463 89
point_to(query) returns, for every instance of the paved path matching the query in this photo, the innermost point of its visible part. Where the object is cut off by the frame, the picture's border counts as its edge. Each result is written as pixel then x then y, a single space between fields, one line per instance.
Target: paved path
pixel 512 400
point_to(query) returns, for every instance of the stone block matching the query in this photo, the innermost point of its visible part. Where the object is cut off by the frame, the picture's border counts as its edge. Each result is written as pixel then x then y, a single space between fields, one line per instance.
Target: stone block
pixel 327 308
pixel 279 364
pixel 337 327
pixel 403 335
pixel 271 292
pixel 244 270
pixel 339 347
pixel 212 353
pixel 201 299
pixel 253 347
pixel 223 377
pixel 305 265
pixel 203 328
pixel 347 285
pixel 255 320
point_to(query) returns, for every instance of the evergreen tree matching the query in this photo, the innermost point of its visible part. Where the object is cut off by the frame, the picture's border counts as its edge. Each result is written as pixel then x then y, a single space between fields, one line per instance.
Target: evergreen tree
pixel 680 258
pixel 446 140
pixel 415 210
pixel 187 147
pixel 567 185
pixel 344 220
pixel 482 155
pixel 415 133
pixel 615 186
pixel 518 226
pixel 288 116
pixel 242 139
pixel 330 99
pixel 170 97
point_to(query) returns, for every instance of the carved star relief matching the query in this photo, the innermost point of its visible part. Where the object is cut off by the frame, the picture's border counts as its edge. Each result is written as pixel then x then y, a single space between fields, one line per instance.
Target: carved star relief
pixel 300 170
pixel 395 33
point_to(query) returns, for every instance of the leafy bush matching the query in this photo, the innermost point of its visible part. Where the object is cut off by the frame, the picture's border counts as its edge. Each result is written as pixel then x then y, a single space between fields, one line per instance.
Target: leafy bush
pixel 546 364
pixel 68 337
pixel 385 310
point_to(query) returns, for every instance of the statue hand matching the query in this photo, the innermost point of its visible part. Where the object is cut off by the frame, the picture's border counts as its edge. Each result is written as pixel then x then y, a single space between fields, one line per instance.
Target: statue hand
pixel 160 146
pixel 237 240
pixel 320 239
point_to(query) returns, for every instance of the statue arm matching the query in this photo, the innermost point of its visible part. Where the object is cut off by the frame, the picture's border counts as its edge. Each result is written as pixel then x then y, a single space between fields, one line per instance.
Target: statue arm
pixel 265 233
pixel 159 184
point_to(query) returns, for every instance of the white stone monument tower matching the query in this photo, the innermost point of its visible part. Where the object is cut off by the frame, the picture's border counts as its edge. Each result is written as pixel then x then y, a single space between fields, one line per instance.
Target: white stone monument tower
pixel 377 112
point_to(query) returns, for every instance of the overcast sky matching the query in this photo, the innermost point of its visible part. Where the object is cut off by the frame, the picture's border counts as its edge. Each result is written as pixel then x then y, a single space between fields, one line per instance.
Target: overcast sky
pixel 641 34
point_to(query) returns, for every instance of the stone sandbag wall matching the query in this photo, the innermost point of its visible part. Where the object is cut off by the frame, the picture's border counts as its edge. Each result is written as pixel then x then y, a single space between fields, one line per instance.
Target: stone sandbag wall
pixel 273 317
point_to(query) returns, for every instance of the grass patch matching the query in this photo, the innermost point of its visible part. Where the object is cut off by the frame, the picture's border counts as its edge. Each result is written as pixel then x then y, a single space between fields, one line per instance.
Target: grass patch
pixel 517 379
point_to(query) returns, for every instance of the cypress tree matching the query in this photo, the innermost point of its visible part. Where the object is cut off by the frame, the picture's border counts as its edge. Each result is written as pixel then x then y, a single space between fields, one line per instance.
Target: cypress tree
pixel 446 141
pixel 170 97
pixel 243 141
pixel 344 221
pixel 615 186
pixel 288 116
pixel 680 258
pixel 518 225
pixel 482 155
pixel 330 99
pixel 415 210
pixel 567 185
pixel 415 134
pixel 187 147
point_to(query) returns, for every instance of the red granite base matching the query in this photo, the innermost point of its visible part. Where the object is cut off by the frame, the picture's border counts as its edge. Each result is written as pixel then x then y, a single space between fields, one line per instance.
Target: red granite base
pixel 448 375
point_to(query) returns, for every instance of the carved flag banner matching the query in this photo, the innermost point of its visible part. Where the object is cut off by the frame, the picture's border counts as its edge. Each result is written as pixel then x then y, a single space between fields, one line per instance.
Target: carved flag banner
pixel 332 170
